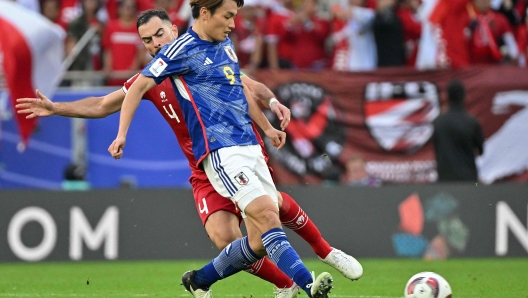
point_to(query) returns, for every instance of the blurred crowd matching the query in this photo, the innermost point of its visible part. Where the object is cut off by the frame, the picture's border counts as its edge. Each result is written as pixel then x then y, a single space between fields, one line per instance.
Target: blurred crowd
pixel 344 35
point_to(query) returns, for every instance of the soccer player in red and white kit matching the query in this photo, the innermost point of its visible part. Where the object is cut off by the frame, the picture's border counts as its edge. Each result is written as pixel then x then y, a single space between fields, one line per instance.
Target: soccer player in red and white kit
pixel 219 215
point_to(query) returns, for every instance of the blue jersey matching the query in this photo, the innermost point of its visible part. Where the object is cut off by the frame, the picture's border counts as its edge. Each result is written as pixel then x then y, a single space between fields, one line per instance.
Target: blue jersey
pixel 206 79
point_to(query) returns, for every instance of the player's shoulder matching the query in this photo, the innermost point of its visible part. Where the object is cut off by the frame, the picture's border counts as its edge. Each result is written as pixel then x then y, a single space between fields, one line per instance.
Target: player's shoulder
pixel 179 45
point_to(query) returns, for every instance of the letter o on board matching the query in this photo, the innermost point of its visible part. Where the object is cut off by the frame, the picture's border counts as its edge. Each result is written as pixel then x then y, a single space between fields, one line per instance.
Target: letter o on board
pixel 17 223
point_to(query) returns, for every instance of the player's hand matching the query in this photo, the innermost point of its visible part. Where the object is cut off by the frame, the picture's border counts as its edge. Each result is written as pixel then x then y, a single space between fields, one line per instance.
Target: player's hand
pixel 116 148
pixel 282 112
pixel 40 106
pixel 277 137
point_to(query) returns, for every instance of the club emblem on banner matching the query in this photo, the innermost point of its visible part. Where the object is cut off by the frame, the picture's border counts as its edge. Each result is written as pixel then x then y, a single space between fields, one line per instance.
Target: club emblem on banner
pixel 399 115
pixel 315 136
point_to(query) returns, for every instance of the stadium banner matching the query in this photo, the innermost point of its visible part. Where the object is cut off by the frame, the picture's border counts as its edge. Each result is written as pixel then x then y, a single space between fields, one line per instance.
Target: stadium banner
pixel 408 221
pixel 386 117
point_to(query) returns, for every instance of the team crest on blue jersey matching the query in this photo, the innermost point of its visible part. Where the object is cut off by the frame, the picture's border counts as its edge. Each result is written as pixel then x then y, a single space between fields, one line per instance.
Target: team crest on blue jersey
pixel 241 178
pixel 231 53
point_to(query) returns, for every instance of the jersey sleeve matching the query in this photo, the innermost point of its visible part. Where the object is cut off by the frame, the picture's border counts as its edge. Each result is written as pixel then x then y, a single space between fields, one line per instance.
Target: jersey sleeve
pixel 171 60
pixel 129 83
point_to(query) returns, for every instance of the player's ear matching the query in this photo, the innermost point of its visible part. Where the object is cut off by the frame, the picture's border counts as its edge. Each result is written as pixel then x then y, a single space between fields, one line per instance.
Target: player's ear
pixel 204 13
pixel 174 30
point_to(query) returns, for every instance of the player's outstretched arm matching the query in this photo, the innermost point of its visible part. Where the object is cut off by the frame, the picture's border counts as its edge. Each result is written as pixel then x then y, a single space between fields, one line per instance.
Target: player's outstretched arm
pixel 130 104
pixel 90 107
pixel 265 98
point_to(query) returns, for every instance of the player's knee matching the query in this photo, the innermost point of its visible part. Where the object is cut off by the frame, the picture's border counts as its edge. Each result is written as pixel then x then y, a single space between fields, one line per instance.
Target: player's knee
pixel 269 218
pixel 222 238
pixel 223 228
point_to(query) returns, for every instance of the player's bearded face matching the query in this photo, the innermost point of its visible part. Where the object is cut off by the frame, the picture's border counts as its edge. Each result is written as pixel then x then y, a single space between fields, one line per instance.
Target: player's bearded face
pixel 222 22
pixel 157 33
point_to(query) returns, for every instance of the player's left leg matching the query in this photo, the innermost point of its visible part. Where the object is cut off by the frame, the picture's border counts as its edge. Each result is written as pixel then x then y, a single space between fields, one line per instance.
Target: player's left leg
pixel 223 228
pixel 221 220
pixel 293 217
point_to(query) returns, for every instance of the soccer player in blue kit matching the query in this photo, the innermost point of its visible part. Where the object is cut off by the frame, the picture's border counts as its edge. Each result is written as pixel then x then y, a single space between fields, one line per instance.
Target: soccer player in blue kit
pixel 202 66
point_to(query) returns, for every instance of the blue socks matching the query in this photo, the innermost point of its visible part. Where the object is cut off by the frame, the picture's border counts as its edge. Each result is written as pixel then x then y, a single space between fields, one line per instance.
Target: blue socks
pixel 286 258
pixel 238 256
pixel 233 258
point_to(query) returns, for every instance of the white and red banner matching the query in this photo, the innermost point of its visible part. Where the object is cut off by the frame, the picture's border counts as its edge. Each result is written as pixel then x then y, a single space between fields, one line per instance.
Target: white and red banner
pixel 33 51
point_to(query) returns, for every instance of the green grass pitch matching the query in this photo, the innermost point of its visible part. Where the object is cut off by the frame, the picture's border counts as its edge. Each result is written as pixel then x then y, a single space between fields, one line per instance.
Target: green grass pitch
pixel 505 277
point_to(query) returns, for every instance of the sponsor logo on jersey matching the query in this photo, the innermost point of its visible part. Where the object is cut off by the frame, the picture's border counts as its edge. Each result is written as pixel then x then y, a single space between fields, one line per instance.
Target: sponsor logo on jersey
pixel 158 67
pixel 399 115
pixel 207 61
pixel 231 53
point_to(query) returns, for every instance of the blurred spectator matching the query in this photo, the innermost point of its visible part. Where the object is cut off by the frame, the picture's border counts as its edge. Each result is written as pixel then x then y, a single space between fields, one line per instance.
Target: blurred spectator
pixel 122 47
pixel 51 10
pixel 75 178
pixel 356 173
pixel 513 10
pixel 412 28
pixel 248 35
pixel 489 29
pixel 388 33
pixel 521 33
pixel 69 10
pixel 309 33
pixel 278 39
pixel 457 138
pixel 354 45
pixel 446 38
pixel 90 56
pixel 179 12
pixel 112 7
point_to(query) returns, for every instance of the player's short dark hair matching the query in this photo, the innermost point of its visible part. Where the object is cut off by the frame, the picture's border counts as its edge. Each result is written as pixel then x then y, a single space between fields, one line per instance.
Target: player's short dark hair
pixel 147 15
pixel 211 5
pixel 456 92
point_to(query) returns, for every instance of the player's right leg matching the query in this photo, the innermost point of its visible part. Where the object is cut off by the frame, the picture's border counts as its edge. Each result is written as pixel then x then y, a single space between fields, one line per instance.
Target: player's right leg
pixel 293 217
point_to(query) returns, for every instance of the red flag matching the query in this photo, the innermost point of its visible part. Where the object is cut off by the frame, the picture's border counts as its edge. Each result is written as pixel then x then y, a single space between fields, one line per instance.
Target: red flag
pixel 33 50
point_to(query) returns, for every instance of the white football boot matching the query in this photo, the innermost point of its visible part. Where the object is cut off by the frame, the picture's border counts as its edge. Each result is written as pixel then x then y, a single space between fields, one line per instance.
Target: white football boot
pixel 290 292
pixel 346 264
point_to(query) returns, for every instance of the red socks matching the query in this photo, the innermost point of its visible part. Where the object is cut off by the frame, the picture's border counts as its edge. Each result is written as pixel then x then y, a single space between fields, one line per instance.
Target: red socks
pixel 294 218
pixel 266 269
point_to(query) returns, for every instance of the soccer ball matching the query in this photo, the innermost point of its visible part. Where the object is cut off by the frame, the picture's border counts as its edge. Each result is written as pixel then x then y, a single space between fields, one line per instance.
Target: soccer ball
pixel 427 285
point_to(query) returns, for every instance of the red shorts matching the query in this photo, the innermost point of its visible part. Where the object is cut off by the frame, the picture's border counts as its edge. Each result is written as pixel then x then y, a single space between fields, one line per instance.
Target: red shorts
pixel 208 201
